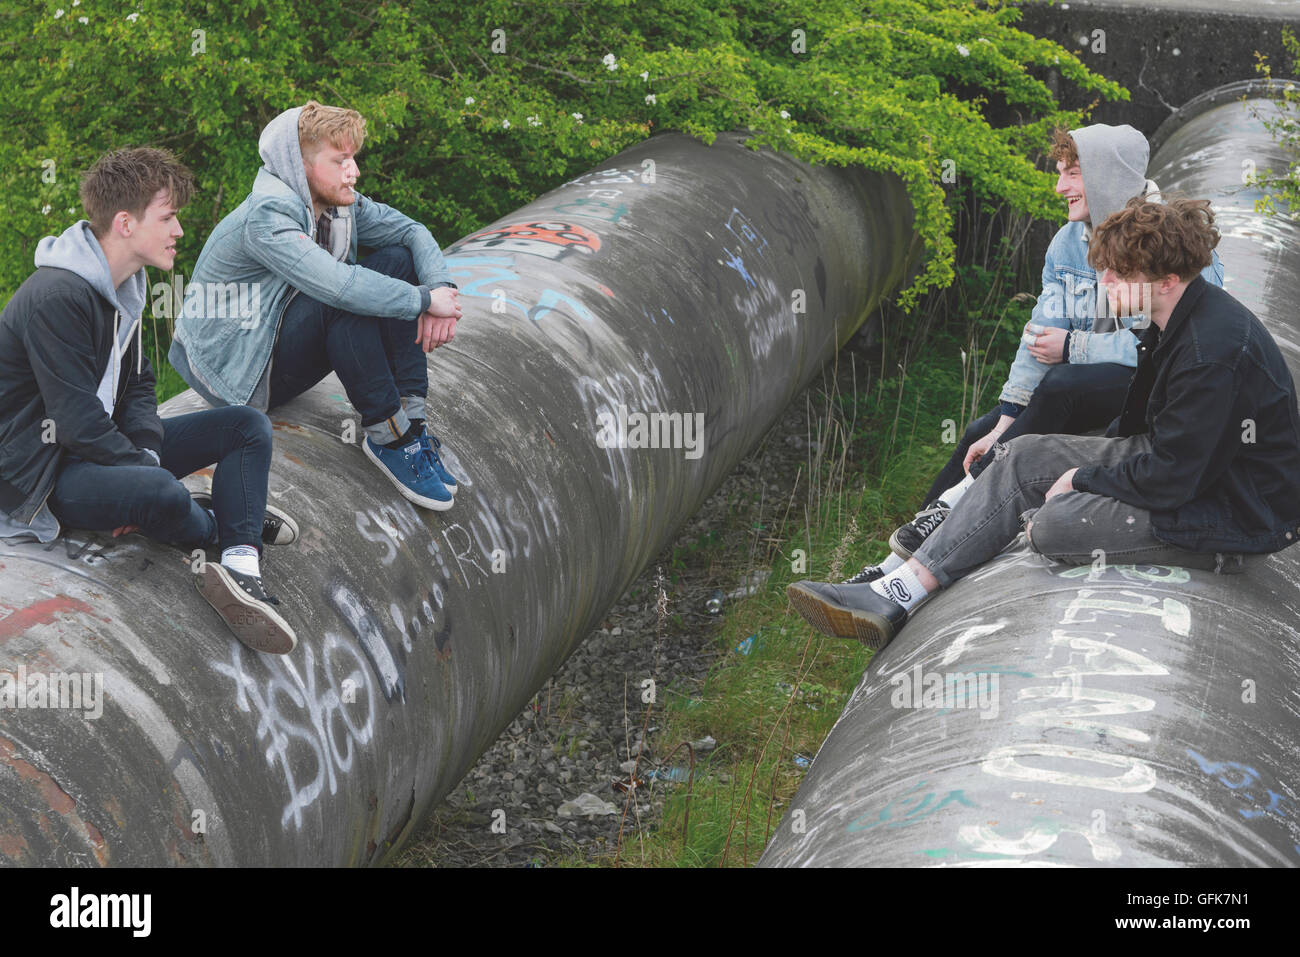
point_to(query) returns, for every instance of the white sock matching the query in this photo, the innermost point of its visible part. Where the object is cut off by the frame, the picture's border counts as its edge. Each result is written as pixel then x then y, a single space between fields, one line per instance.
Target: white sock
pixel 901 587
pixel 890 563
pixel 951 497
pixel 242 559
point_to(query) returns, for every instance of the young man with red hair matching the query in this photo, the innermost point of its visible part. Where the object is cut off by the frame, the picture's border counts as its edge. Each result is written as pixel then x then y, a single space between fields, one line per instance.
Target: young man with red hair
pixel 314 309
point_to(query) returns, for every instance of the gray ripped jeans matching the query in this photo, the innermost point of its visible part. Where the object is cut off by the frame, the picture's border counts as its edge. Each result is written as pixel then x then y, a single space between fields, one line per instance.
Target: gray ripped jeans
pixel 1071 528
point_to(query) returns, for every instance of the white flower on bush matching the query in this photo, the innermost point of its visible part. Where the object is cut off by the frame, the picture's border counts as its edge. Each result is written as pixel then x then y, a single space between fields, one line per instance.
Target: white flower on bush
pixel 469 101
pixel 505 124
pixel 578 117
pixel 963 50
pixel 58 13
pixel 610 61
pixel 45 210
pixel 785 115
pixel 650 98
pixel 645 75
pixel 133 17
pixel 534 120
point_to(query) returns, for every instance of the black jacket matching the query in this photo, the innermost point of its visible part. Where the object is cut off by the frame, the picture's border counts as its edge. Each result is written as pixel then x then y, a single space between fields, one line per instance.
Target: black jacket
pixel 56 340
pixel 1213 391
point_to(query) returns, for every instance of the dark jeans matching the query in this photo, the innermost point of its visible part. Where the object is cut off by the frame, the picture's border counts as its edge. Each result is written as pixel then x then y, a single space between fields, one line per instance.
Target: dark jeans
pixel 1075 528
pixel 1070 399
pixel 237 438
pixel 377 359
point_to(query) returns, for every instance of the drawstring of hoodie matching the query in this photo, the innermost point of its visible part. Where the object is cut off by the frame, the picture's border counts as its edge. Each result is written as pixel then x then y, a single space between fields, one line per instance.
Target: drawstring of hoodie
pixel 117 349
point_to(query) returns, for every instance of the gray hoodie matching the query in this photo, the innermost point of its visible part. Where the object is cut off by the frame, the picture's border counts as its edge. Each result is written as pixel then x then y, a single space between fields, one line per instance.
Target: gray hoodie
pixel 78 251
pixel 1113 161
pixel 1113 164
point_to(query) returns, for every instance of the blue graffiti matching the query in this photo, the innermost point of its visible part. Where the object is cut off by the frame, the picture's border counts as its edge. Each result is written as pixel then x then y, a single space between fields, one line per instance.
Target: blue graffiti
pixel 921 809
pixel 481 277
pixel 733 261
pixel 1244 779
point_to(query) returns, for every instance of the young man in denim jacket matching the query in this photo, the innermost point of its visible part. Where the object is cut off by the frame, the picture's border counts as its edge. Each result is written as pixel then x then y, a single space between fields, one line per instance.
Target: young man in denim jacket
pixel 1076 357
pixel 1201 468
pixel 278 301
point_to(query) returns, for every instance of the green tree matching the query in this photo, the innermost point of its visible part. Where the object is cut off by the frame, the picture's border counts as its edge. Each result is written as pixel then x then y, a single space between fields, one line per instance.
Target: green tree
pixel 1282 189
pixel 474 109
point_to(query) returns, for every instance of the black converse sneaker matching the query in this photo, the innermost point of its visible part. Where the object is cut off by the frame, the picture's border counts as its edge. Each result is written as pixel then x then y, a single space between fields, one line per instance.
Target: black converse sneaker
pixel 908 538
pixel 868 574
pixel 278 528
pixel 243 602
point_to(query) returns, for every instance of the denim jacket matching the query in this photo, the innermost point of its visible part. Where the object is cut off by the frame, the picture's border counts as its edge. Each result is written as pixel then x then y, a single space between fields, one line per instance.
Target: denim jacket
pixel 263 253
pixel 1069 301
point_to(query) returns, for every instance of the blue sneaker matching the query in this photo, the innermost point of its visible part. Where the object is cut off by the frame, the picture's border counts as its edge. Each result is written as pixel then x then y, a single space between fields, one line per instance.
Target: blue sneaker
pixel 432 444
pixel 411 469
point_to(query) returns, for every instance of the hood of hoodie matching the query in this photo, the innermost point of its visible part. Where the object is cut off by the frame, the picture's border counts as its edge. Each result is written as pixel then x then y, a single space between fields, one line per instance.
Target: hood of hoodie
pixel 77 250
pixel 1113 162
pixel 281 154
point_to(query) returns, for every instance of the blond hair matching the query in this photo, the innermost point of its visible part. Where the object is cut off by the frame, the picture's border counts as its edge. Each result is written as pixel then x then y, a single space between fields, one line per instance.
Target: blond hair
pixel 319 124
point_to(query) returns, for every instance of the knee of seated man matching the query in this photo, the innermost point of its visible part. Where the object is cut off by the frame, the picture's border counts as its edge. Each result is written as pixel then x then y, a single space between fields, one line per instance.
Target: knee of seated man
pixel 254 424
pixel 1058 380
pixel 398 260
pixel 1051 534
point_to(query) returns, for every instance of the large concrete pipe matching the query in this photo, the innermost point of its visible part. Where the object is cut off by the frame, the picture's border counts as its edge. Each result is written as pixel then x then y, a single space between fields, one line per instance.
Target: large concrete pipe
pixel 1045 715
pixel 702 285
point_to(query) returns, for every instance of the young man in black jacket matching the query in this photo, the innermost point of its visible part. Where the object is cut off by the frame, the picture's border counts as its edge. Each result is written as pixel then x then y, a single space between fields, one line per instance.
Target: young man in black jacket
pixel 81 442
pixel 1202 469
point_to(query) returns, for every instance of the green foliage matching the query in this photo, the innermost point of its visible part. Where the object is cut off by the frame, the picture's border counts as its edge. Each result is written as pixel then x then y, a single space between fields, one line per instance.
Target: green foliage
pixel 463 130
pixel 1282 189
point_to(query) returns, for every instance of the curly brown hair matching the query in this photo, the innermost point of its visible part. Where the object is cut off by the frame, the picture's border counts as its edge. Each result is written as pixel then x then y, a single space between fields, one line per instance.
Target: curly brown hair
pixel 1155 239
pixel 1063 148
pixel 129 179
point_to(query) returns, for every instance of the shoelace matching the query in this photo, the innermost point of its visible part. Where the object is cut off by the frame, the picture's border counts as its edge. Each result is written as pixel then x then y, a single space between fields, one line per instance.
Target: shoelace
pixel 862 576
pixel 422 463
pixel 928 524
pixel 257 590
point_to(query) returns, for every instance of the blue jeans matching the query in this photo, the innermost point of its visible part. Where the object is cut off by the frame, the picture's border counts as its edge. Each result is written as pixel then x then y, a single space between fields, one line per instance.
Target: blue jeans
pixel 377 359
pixel 238 438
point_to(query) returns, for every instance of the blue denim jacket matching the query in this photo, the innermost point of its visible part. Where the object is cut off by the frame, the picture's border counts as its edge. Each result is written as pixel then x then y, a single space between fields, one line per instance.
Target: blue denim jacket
pixel 265 252
pixel 1069 301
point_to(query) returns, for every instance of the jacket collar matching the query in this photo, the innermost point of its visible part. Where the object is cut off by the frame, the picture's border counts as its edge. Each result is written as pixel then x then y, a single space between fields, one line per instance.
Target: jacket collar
pixel 1191 295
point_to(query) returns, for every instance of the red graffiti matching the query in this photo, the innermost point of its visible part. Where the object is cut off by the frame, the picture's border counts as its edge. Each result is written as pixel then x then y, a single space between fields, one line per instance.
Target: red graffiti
pixel 549 239
pixel 41 613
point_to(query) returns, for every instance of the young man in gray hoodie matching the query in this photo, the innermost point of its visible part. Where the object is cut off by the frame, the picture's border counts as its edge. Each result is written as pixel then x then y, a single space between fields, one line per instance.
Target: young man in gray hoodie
pixel 81 443
pixel 306 307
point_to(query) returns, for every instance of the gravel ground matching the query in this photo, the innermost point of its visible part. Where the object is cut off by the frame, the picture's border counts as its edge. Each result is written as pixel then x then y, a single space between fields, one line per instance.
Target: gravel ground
pixel 575 739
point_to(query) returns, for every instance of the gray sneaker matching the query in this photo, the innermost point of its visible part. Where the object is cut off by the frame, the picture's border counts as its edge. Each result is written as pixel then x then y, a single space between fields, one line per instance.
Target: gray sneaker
pixel 848 611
